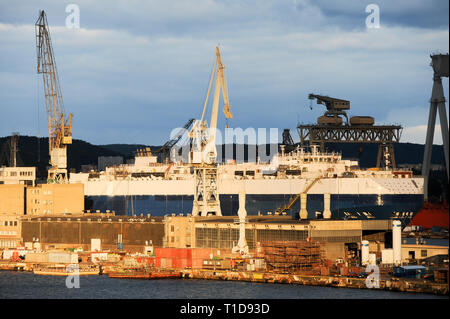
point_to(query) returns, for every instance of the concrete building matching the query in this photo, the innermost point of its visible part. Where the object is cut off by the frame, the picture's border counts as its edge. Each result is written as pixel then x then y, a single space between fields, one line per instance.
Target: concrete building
pixel 55 199
pixel 10 231
pixel 414 252
pixel 12 208
pixel 18 175
pixel 12 199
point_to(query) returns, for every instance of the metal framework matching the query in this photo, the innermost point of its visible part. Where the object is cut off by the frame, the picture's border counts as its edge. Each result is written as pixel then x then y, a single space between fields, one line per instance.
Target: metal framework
pixel 206 197
pixel 13 149
pixel 440 64
pixel 204 152
pixel 288 142
pixel 59 126
pixel 293 256
pixel 166 148
pixel 384 135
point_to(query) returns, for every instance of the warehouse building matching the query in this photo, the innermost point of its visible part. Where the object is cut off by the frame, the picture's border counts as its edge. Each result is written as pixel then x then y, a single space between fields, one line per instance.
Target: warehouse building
pixel 115 232
pixel 338 238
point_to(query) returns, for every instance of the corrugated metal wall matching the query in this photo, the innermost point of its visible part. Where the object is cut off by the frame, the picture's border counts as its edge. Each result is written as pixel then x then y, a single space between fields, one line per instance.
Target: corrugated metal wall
pixel 75 232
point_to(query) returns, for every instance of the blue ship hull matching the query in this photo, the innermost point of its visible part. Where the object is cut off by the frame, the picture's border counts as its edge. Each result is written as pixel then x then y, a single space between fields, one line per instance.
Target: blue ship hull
pixel 342 206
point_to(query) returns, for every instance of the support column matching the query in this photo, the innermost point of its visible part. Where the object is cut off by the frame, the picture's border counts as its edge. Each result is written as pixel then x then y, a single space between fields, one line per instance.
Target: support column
pixel 444 132
pixel 326 206
pixel 303 211
pixel 437 99
pixel 397 241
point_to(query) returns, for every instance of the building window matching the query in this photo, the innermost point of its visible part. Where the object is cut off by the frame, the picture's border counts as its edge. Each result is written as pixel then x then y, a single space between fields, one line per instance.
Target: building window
pixel 423 253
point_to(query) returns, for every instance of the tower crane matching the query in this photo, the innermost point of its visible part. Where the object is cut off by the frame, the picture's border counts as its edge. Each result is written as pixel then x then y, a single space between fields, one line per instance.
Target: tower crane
pixel 59 125
pixel 204 153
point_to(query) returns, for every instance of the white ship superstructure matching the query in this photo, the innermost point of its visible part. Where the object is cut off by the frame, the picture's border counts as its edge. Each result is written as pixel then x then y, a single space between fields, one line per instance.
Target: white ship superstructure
pixel 268 186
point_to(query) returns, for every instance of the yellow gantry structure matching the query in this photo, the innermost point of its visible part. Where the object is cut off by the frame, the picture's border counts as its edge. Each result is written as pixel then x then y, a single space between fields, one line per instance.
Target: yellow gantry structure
pixel 59 126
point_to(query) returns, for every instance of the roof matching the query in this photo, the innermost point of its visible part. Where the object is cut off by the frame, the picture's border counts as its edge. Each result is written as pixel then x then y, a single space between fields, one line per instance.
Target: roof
pixel 413 267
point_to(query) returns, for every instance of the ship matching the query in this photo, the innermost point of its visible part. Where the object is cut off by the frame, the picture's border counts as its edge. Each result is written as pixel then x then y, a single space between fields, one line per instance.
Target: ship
pixel 328 181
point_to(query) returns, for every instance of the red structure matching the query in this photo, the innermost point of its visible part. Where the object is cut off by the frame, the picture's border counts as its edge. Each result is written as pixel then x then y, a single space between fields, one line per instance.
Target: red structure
pixel 432 215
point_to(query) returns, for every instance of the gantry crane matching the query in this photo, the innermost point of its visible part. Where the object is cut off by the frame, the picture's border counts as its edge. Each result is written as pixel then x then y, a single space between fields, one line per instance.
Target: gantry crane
pixel 59 125
pixel 204 153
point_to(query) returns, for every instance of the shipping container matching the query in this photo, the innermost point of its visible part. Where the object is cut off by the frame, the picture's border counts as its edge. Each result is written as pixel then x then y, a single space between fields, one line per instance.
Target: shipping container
pixel 166 263
pixel 36 257
pixel 59 257
pixel 74 258
pixel 344 271
pixel 98 257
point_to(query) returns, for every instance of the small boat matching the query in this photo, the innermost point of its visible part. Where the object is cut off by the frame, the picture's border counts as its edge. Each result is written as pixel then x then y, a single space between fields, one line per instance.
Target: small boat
pixel 165 275
pixel 129 275
pixel 145 275
pixel 62 270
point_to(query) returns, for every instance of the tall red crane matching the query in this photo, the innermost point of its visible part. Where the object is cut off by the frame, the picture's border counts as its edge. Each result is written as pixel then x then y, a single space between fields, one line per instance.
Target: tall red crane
pixel 59 125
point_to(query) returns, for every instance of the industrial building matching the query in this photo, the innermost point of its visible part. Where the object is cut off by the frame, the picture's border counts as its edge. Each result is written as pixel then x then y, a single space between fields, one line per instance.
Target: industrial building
pixel 128 233
pixel 55 199
pixel 18 175
pixel 419 252
pixel 12 199
pixel 10 231
pixel 338 238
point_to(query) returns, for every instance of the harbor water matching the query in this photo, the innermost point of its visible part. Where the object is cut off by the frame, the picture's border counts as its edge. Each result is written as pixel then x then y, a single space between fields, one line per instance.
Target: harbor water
pixel 24 285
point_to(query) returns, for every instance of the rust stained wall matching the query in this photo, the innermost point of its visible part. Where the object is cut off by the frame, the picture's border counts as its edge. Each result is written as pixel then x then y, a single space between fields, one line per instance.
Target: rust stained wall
pixel 75 232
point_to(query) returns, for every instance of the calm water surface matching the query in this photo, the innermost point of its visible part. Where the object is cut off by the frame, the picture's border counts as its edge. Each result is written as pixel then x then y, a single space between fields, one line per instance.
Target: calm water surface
pixel 25 285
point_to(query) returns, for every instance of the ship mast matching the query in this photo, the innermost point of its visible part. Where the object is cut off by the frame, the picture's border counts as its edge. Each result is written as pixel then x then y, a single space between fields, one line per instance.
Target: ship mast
pixel 59 126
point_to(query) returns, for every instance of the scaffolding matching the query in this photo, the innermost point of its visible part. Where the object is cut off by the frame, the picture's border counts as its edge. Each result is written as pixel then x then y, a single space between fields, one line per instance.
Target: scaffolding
pixel 293 256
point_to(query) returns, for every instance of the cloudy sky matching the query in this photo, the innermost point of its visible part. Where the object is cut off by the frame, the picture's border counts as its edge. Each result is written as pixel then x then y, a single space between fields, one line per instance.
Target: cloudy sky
pixel 135 70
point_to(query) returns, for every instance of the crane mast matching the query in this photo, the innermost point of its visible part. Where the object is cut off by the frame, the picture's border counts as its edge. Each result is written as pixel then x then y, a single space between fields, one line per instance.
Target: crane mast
pixel 204 152
pixel 205 141
pixel 59 125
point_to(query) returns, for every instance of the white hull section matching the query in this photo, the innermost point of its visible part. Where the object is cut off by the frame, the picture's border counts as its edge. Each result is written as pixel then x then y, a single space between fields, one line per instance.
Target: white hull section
pixel 353 186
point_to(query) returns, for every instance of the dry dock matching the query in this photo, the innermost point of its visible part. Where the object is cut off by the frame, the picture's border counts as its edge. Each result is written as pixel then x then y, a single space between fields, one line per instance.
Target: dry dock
pixel 394 284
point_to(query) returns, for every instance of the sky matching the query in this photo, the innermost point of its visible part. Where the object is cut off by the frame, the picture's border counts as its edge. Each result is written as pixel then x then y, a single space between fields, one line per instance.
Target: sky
pixel 135 70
